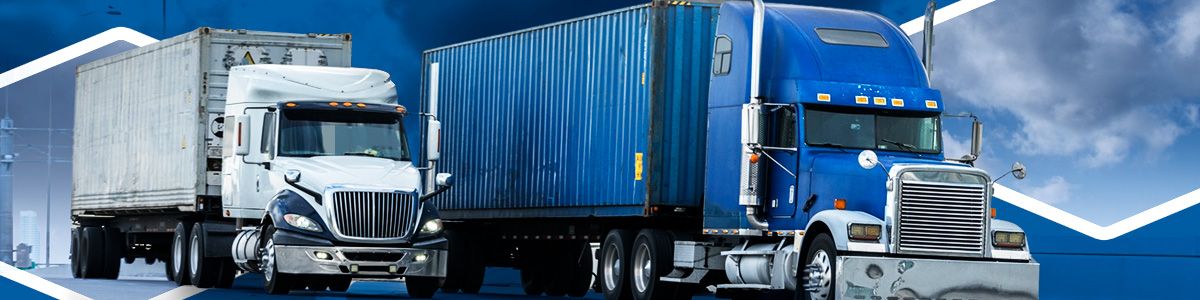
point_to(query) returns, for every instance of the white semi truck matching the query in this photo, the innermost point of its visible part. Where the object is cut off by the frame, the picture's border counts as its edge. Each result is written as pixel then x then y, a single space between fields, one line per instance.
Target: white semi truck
pixel 198 152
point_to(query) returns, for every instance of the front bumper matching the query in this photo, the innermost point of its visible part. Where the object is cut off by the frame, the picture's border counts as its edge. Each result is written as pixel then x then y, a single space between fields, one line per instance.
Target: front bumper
pixel 862 277
pixel 361 261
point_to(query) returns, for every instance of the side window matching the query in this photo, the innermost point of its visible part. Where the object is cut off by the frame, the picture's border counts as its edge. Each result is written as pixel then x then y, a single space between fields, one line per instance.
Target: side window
pixel 268 133
pixel 781 122
pixel 722 55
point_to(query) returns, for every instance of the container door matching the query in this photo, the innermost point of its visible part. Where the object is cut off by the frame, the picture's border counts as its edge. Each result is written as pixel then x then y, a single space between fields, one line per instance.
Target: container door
pixel 779 162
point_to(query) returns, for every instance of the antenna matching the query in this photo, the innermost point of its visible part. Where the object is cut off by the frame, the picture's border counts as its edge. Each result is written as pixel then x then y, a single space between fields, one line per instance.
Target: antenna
pixel 927 49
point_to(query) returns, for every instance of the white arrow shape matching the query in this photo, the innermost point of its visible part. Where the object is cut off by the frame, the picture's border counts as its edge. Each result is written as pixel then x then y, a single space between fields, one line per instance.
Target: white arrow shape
pixel 1088 228
pixel 75 50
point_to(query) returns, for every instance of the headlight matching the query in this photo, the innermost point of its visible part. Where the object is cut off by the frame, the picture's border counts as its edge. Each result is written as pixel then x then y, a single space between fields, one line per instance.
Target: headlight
pixel 431 226
pixel 301 222
pixel 1004 239
pixel 865 232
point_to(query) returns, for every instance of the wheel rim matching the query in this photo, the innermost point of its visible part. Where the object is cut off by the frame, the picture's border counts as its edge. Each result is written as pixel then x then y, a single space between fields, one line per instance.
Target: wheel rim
pixel 642 273
pixel 269 260
pixel 177 254
pixel 612 268
pixel 194 254
pixel 824 271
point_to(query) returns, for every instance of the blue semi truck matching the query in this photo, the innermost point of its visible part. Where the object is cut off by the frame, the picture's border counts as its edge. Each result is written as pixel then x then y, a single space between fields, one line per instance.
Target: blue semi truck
pixel 742 147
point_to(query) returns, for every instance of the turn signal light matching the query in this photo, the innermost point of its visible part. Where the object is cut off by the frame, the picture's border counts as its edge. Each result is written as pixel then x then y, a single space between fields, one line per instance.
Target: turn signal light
pixel 839 204
pixel 754 158
pixel 993 213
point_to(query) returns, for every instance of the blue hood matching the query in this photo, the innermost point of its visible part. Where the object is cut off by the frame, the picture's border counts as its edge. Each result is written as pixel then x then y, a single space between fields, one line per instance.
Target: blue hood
pixel 837 175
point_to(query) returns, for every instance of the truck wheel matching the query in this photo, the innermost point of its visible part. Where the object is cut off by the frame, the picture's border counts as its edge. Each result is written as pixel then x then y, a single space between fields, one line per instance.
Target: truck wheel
pixel 532 281
pixel 178 265
pixel 821 258
pixel 456 264
pixel 475 269
pixel 422 287
pixel 276 283
pixel 92 250
pixel 202 270
pixel 339 284
pixel 168 268
pixel 652 252
pixel 114 250
pixel 75 253
pixel 228 273
pixel 581 276
pixel 614 265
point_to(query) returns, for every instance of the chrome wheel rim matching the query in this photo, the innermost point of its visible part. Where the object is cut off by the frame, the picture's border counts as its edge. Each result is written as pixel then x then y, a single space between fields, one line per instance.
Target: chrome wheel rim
pixel 642 275
pixel 268 259
pixel 177 254
pixel 612 268
pixel 823 271
pixel 194 254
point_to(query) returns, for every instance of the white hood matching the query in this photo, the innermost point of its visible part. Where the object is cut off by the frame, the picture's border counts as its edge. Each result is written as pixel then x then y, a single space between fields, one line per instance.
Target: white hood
pixel 319 172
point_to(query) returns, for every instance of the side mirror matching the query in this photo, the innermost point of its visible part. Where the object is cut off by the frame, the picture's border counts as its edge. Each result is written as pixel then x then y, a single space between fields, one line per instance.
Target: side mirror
pixel 433 140
pixel 444 179
pixel 976 139
pixel 241 135
pixel 1018 170
pixel 291 176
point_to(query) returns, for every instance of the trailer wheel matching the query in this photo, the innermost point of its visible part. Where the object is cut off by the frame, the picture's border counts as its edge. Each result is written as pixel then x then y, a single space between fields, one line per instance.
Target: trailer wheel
pixel 422 287
pixel 340 284
pixel 614 265
pixel 75 253
pixel 168 268
pixel 475 268
pixel 557 268
pixel 92 250
pixel 581 276
pixel 203 270
pixel 821 260
pixel 114 250
pixel 532 281
pixel 178 265
pixel 456 262
pixel 274 282
pixel 652 252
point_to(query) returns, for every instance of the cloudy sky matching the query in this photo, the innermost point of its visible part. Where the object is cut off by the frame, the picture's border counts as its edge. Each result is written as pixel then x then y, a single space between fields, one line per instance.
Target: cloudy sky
pixel 1095 97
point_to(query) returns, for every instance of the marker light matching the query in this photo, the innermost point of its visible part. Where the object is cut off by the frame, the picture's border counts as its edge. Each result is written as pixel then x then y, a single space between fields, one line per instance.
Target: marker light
pixel 839 204
pixel 861 99
pixel 823 97
pixel 360 105
pixel 865 232
pixel 291 104
pixel 993 213
pixel 880 101
pixel 754 158
pixel 897 102
pixel 401 109
pixel 1006 239
pixel 347 104
pixel 334 104
pixel 930 104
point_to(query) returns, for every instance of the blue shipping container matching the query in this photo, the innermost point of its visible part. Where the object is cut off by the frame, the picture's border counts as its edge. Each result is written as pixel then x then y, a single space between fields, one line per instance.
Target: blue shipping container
pixel 602 115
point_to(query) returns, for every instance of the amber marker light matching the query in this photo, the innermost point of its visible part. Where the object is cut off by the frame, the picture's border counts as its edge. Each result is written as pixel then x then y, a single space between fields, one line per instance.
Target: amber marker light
pixel 360 105
pixel 993 213
pixel 334 104
pixel 291 104
pixel 839 204
pixel 754 158
pixel 347 104
pixel 401 109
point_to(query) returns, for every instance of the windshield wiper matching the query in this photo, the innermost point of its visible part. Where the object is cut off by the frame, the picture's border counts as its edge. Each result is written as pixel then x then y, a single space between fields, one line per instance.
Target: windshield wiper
pixel 899 144
pixel 360 154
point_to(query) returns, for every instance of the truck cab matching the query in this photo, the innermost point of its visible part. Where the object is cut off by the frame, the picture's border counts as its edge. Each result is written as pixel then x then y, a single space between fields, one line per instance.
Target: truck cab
pixel 836 142
pixel 319 158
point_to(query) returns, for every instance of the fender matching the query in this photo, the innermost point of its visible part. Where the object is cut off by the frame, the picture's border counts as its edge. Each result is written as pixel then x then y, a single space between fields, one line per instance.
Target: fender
pixel 838 222
pixel 290 202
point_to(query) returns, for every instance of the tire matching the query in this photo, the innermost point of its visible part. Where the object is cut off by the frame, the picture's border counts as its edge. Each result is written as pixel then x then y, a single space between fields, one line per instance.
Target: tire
pixel 821 249
pixel 203 270
pixel 456 264
pixel 274 282
pixel 228 273
pixel 556 269
pixel 75 253
pixel 422 287
pixel 114 251
pixel 340 284
pixel 581 276
pixel 150 260
pixel 92 250
pixel 532 281
pixel 614 265
pixel 167 266
pixel 475 269
pixel 652 259
pixel 177 266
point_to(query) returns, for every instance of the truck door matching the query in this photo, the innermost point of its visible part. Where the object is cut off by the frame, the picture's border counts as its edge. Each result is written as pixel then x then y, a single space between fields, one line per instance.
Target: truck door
pixel 780 160
pixel 253 188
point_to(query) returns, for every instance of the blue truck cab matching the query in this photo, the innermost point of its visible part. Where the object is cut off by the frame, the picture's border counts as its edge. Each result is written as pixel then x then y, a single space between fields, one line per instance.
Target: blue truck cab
pixel 810 164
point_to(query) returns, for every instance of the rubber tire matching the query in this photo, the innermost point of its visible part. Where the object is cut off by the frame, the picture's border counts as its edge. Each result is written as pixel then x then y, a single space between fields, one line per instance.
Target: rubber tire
pixel 557 269
pixel 114 251
pixel 150 260
pixel 75 253
pixel 475 269
pixel 821 242
pixel 92 248
pixel 581 276
pixel 228 273
pixel 281 284
pixel 456 264
pixel 340 284
pixel 661 250
pixel 178 268
pixel 532 281
pixel 204 273
pixel 619 240
pixel 422 287
pixel 167 265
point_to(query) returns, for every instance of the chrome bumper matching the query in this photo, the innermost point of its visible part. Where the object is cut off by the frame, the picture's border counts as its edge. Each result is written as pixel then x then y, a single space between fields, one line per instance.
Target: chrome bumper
pixel 361 261
pixel 905 278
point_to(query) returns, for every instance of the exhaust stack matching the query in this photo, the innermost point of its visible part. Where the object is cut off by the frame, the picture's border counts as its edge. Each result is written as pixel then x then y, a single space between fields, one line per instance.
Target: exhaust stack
pixel 927 47
pixel 752 127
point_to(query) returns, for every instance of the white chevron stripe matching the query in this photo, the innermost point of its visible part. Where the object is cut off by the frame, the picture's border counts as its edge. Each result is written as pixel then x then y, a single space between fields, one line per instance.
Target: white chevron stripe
pixel 944 14
pixel 75 50
pixel 1088 228
pixel 37 283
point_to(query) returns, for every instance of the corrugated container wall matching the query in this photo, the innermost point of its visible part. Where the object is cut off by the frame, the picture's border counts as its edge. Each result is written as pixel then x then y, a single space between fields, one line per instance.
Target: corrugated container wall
pixel 146 120
pixel 602 115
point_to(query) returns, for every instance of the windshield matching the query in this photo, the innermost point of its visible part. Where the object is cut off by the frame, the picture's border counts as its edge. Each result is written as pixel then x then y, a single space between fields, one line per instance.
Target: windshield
pixel 305 133
pixel 881 130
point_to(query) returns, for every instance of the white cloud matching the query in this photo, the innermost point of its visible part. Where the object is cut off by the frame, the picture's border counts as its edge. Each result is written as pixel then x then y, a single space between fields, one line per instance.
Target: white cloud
pixel 1193 114
pixel 1054 190
pixel 1093 81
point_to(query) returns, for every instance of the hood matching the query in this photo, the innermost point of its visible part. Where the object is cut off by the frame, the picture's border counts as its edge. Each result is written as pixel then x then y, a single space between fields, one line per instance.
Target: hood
pixel 319 172
pixel 836 174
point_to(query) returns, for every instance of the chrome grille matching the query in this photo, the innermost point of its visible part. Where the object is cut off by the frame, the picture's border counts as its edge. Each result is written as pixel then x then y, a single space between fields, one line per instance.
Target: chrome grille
pixel 373 215
pixel 942 217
